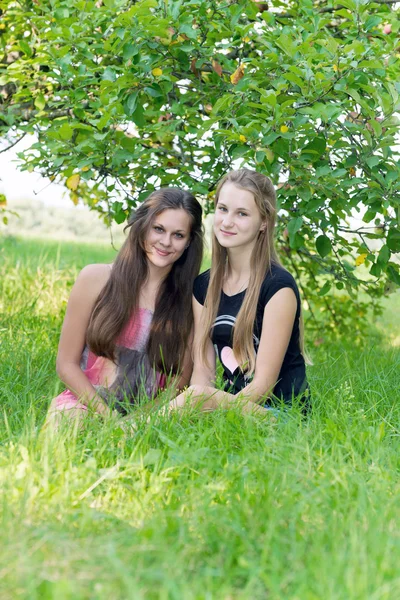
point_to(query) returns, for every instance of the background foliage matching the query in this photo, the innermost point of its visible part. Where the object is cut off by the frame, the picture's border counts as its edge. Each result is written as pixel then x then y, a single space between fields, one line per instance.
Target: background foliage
pixel 125 95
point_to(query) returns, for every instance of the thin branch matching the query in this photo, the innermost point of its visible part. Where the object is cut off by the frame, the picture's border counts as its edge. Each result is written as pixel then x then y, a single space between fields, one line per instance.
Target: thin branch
pixel 27 112
pixel 360 230
pixel 339 7
pixel 14 143
pixel 161 150
pixel 330 9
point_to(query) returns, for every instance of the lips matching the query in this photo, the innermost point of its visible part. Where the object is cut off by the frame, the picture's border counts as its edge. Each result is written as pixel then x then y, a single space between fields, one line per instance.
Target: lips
pixel 161 252
pixel 227 232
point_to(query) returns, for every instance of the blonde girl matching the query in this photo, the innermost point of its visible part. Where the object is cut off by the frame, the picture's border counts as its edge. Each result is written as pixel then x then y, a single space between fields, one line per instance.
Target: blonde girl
pixel 247 307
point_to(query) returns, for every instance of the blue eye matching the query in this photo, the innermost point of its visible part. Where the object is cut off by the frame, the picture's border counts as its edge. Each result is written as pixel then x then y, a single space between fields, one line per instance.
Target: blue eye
pixel 222 208
pixel 242 214
pixel 179 235
pixel 157 228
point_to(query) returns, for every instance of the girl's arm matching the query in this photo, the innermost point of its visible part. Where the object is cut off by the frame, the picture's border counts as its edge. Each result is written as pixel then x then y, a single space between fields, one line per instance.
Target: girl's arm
pixel 278 319
pixel 203 371
pixel 183 378
pixel 84 293
pixel 203 375
pixel 177 383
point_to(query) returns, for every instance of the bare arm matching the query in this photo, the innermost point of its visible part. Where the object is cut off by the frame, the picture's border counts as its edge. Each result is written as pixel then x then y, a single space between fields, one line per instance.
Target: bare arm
pixel 84 293
pixel 203 374
pixel 203 371
pixel 278 319
pixel 183 379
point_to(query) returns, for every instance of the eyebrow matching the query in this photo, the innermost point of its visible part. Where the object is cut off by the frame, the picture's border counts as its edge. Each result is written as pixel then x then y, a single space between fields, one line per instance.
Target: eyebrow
pixel 176 231
pixel 223 204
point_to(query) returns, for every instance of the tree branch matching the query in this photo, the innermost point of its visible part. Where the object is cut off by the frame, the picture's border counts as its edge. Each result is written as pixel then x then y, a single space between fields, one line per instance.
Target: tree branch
pixel 330 9
pixel 14 143
pixel 27 112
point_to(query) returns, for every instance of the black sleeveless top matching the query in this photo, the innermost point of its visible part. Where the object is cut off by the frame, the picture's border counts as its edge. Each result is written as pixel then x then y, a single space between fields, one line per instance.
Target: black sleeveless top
pixel 292 379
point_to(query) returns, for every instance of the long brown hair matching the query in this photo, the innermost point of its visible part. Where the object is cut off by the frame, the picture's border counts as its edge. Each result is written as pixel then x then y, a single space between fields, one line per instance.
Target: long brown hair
pixel 173 319
pixel 262 257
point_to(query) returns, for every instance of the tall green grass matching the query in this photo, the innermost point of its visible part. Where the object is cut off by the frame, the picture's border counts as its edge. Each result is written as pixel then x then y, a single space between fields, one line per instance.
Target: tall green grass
pixel 195 506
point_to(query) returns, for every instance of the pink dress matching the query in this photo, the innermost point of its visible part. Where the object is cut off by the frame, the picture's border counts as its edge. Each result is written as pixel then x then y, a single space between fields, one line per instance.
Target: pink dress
pixel 131 376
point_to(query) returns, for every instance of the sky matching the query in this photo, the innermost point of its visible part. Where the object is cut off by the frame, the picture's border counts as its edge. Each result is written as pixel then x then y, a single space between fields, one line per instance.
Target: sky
pixel 16 184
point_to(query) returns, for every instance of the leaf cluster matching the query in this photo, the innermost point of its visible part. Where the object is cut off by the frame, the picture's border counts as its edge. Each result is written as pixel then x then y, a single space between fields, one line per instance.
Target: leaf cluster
pixel 126 96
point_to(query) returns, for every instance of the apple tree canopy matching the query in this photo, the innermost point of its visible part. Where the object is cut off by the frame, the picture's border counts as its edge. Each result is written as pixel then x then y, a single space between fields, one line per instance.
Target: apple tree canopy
pixel 125 96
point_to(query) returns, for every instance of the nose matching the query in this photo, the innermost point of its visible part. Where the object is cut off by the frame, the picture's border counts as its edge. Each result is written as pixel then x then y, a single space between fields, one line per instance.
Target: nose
pixel 227 220
pixel 166 240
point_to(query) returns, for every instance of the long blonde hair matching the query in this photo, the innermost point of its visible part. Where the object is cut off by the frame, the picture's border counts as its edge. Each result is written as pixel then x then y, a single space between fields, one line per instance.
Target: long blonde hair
pixel 262 257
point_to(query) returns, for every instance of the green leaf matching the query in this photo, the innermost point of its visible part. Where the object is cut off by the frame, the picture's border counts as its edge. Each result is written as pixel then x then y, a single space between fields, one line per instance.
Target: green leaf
pixel 384 255
pixel 323 245
pixel 316 147
pixel 120 217
pixel 260 155
pixel 294 226
pixel 188 30
pixel 61 13
pixel 155 91
pixel 325 289
pixel 25 47
pixel 375 270
pixel 130 104
pixel 129 50
pixel 351 4
pixel 222 103
pixel 393 240
pixel 372 161
pixel 237 151
pixel 138 116
pixel 65 132
pixel 393 273
pixel 40 102
pixel 109 74
pixel 269 97
pixel 372 22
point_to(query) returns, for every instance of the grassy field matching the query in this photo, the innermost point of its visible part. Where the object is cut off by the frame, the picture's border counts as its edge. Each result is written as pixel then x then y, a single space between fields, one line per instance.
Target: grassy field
pixel 203 507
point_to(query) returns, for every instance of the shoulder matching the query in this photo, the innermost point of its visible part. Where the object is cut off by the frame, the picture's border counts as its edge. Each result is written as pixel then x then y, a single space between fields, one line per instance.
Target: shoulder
pixel 279 273
pixel 200 286
pixel 93 278
pixel 276 279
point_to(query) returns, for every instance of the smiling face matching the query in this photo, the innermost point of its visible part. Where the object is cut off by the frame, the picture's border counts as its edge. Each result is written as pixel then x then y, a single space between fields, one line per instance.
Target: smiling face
pixel 237 220
pixel 167 237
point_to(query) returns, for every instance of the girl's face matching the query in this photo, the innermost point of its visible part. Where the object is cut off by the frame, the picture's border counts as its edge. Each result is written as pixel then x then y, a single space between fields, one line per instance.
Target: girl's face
pixel 237 220
pixel 167 238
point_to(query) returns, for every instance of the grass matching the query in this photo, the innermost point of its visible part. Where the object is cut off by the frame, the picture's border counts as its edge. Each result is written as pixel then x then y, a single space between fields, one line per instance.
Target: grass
pixel 206 507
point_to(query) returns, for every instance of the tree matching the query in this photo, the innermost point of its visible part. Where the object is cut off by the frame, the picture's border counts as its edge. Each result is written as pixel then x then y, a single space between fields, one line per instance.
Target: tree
pixel 126 95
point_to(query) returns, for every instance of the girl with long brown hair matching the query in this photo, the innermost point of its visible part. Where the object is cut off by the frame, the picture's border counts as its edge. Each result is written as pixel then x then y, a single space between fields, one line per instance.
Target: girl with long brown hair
pixel 247 307
pixel 128 325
